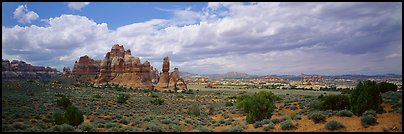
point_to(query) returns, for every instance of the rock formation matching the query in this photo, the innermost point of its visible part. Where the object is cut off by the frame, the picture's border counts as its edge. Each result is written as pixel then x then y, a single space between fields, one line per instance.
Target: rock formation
pixel 120 67
pixel 66 71
pixel 20 70
pixel 86 66
pixel 170 81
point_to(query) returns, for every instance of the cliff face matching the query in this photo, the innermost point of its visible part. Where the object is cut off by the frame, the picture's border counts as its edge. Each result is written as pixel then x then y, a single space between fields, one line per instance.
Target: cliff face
pixel 86 66
pixel 170 81
pixel 21 70
pixel 120 67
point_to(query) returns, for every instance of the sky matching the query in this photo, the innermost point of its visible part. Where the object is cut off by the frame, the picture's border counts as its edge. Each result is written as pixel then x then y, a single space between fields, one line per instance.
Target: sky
pixel 263 38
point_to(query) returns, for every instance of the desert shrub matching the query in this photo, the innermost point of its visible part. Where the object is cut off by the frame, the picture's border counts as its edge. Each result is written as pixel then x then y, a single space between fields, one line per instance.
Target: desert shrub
pixel 369 112
pixel 63 101
pixel 97 96
pixel 165 121
pixel 385 87
pixel 211 109
pixel 295 116
pixel 269 127
pixel 180 96
pixel 203 129
pixel 334 125
pixel 368 120
pixel 335 102
pixel 122 98
pixel 124 121
pixel 154 95
pixel 257 124
pixel 88 127
pixel 366 96
pixel 228 104
pixel 287 125
pixel 20 126
pixel 66 128
pixel 345 113
pixel 276 120
pixel 317 117
pixel 258 106
pixel 58 118
pixel 194 110
pixel 233 129
pixel 154 127
pixel 42 125
pixel 157 101
pixel 73 115
pixel 225 115
pixel 293 107
pixel 222 121
pixel 266 121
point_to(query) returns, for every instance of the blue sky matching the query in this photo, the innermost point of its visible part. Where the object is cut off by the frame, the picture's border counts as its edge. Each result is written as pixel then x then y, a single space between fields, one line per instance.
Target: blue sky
pixel 115 14
pixel 255 38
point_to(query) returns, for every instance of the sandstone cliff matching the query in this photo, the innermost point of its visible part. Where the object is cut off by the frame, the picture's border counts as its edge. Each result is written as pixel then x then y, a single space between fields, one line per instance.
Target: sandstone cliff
pixel 16 70
pixel 86 66
pixel 120 67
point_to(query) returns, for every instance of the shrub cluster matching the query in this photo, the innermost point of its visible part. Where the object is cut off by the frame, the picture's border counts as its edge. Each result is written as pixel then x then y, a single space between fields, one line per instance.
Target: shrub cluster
pixel 317 117
pixel 287 125
pixel 366 96
pixel 335 102
pixel 122 98
pixel 157 101
pixel 258 106
pixel 72 116
pixel 334 125
pixel 368 118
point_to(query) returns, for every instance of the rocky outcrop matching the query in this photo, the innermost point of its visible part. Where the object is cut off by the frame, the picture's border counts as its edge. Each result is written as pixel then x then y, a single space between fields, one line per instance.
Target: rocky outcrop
pixel 86 66
pixel 120 67
pixel 66 71
pixel 170 81
pixel 16 70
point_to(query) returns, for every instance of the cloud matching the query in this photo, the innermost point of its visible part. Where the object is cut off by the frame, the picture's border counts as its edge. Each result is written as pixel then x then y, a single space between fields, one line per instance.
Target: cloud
pixel 258 38
pixel 77 5
pixel 23 15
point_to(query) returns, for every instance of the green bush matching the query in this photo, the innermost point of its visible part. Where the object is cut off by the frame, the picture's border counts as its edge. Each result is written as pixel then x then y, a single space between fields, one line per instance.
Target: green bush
pixel 334 125
pixel 369 112
pixel 97 96
pixel 345 113
pixel 258 106
pixel 287 125
pixel 58 118
pixel 63 101
pixel 122 98
pixel 366 96
pixel 269 127
pixel 154 95
pixel 88 127
pixel 257 124
pixel 368 120
pixel 335 102
pixel 73 116
pixel 228 104
pixel 317 117
pixel 385 87
pixel 157 101
pixel 194 110
pixel 276 120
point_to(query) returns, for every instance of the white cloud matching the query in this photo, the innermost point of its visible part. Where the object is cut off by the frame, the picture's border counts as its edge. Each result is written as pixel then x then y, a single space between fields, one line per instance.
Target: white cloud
pixel 23 15
pixel 77 5
pixel 259 38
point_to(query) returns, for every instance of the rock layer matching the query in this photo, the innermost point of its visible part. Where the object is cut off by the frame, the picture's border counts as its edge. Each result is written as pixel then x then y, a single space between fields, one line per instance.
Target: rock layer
pixel 21 70
pixel 86 66
pixel 170 81
pixel 120 67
